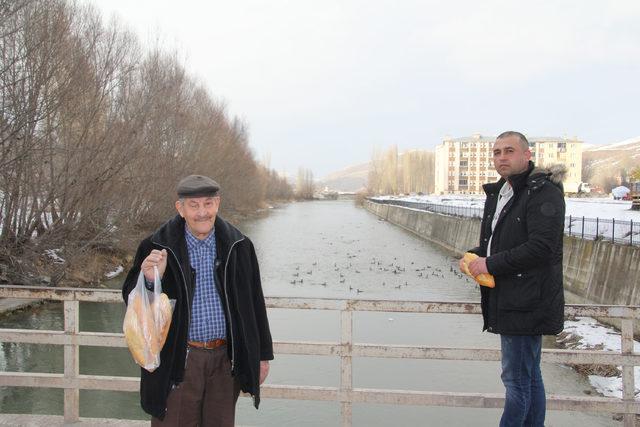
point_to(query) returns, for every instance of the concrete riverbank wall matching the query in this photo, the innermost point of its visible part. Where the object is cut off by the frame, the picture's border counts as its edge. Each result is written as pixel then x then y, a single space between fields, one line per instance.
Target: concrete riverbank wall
pixel 595 272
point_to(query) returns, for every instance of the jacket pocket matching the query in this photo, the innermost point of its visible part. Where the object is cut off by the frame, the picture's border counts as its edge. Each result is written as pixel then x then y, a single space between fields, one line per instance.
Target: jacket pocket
pixel 520 291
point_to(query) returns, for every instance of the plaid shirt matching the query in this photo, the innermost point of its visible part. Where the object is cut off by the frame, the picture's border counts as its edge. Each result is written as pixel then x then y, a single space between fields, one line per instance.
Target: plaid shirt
pixel 207 315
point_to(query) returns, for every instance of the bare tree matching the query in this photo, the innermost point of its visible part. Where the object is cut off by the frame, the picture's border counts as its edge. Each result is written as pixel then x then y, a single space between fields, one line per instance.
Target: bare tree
pixel 305 186
pixel 95 133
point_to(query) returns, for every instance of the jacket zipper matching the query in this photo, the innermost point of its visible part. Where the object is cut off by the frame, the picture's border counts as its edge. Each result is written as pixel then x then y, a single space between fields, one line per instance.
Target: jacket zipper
pixel 226 297
pixel 186 289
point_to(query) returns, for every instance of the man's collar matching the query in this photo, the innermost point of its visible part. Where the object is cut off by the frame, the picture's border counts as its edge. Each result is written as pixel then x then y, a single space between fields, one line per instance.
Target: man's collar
pixel 192 240
pixel 506 189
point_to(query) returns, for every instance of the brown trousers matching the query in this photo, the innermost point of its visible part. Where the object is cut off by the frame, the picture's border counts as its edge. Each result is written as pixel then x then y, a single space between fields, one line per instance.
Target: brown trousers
pixel 207 397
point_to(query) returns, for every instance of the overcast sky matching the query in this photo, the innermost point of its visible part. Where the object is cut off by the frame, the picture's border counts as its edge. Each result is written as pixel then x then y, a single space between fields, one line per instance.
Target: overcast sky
pixel 321 83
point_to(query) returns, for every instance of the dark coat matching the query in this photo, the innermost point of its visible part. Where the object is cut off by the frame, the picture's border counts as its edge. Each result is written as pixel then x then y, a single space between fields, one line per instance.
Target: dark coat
pixel 238 283
pixel 526 255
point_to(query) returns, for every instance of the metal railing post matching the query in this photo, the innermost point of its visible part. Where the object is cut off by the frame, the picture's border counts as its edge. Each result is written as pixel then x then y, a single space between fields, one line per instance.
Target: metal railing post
pixel 570 225
pixel 71 362
pixel 613 230
pixel 346 378
pixel 582 237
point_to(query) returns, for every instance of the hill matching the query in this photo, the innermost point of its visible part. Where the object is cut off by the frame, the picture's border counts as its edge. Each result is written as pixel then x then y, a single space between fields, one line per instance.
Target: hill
pixel 349 179
pixel 609 165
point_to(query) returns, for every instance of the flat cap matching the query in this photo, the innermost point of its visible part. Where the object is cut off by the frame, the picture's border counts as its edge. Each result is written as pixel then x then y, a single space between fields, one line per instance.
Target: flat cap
pixel 197 186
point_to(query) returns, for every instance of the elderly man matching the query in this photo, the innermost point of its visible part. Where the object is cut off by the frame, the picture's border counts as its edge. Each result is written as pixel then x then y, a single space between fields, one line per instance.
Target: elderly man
pixel 521 246
pixel 219 341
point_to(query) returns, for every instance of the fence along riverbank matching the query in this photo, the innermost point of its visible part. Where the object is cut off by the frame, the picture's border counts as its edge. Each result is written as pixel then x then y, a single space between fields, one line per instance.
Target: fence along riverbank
pixel 612 230
pixel 595 271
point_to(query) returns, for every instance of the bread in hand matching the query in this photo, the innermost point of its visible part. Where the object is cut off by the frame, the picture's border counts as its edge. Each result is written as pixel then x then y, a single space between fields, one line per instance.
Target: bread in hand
pixel 163 321
pixel 484 279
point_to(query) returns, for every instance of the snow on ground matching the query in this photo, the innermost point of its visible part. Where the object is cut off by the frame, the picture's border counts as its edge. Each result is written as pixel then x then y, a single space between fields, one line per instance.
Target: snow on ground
pixel 602 208
pixel 110 275
pixel 592 335
pixel 54 254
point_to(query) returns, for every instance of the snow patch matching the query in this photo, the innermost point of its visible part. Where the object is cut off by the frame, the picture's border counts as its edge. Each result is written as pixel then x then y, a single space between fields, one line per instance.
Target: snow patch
pixel 609 386
pixel 593 335
pixel 110 275
pixel 618 145
pixel 53 254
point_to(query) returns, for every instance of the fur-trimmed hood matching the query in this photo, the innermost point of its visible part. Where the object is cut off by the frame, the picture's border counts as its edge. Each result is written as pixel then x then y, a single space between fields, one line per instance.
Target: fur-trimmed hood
pixel 556 173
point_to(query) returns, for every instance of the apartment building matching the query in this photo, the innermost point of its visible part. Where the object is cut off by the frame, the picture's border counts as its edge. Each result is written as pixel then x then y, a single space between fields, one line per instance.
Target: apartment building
pixel 463 165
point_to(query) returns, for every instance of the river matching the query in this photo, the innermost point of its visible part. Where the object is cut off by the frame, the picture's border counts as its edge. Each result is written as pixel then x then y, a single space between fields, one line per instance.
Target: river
pixel 329 249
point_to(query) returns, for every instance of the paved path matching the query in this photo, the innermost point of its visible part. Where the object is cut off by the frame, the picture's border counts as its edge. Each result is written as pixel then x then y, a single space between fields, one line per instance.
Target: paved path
pixel 58 420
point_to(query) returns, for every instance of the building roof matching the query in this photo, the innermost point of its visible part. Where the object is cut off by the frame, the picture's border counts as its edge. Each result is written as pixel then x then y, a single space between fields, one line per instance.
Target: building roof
pixel 490 138
pixel 553 139
pixel 473 138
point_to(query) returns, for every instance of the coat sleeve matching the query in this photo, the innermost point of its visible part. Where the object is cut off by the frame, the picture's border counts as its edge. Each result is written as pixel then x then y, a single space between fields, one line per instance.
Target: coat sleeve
pixel 481 249
pixel 477 250
pixel 545 225
pixel 260 310
pixel 132 277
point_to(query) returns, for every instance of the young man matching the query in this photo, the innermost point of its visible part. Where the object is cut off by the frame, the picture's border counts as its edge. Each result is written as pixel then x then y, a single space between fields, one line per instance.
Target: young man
pixel 219 341
pixel 521 246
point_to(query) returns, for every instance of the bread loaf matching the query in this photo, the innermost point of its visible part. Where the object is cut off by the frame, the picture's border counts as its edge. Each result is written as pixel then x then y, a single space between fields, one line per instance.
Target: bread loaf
pixel 483 279
pixel 140 332
pixel 162 310
pixel 133 328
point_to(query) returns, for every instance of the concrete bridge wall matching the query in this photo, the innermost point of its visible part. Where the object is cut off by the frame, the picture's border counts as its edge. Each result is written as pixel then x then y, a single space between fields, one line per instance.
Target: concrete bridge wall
pixel 595 272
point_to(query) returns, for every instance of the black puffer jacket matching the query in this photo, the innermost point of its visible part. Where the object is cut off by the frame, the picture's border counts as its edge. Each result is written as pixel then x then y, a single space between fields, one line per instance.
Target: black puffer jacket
pixel 238 283
pixel 526 255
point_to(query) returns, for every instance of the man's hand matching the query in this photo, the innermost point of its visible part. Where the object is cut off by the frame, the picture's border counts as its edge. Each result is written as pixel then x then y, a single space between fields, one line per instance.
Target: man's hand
pixel 264 370
pixel 461 265
pixel 155 259
pixel 478 266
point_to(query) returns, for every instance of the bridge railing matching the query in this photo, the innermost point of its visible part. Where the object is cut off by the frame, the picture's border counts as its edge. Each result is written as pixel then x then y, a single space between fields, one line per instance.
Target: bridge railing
pixel 346 394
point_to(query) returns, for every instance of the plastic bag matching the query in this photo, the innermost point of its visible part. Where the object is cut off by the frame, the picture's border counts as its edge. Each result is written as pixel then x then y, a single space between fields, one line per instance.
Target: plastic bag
pixel 147 321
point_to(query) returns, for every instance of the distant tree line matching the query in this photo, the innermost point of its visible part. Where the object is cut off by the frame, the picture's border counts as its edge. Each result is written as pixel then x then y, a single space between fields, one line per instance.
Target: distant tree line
pixel 608 175
pixel 95 132
pixel 408 172
pixel 305 185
